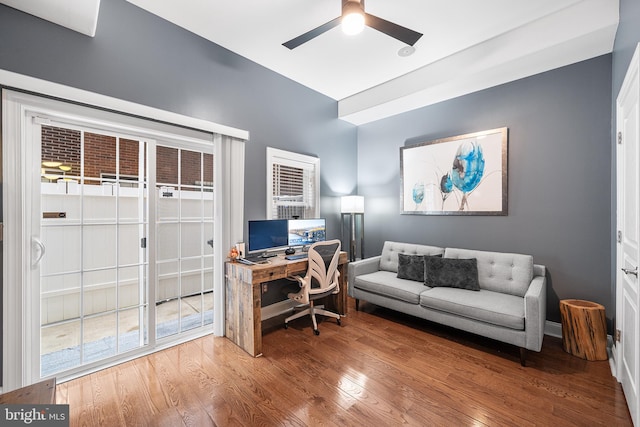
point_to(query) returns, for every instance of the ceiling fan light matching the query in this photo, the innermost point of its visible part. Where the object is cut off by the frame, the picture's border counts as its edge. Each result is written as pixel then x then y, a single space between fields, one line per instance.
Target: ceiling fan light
pixel 352 17
pixel 352 24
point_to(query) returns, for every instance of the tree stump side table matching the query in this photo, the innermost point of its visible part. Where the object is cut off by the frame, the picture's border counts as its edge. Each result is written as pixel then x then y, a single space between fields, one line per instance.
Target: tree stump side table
pixel 584 329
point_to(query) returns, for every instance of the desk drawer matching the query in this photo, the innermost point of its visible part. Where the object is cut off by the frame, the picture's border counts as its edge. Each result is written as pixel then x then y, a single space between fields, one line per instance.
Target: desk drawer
pixel 297 268
pixel 273 272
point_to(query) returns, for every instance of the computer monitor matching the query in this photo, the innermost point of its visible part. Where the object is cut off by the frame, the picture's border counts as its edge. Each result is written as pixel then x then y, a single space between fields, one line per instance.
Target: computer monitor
pixel 307 231
pixel 267 234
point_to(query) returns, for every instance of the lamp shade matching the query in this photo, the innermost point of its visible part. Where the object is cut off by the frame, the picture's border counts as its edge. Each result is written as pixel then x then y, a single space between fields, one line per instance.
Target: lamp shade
pixel 352 204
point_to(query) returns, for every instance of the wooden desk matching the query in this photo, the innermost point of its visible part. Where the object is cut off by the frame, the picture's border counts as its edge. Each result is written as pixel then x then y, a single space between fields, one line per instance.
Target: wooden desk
pixel 43 393
pixel 243 317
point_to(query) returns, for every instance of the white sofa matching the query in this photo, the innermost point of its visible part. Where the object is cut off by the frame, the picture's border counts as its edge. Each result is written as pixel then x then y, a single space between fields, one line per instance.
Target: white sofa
pixel 510 305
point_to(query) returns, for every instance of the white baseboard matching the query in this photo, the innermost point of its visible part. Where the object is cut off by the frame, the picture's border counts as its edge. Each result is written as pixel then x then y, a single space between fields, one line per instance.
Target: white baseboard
pixel 612 351
pixel 553 329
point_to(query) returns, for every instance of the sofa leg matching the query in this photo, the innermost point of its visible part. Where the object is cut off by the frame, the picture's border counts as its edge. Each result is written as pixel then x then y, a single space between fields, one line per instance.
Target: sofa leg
pixel 523 356
pixel 357 304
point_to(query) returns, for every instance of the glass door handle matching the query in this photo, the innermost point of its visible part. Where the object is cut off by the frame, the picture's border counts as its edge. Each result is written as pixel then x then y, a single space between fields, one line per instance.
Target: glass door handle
pixel 39 246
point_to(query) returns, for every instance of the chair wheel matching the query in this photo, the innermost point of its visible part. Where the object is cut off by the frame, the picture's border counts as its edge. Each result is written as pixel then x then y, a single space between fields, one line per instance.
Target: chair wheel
pixel 286 326
pixel 339 322
pixel 316 331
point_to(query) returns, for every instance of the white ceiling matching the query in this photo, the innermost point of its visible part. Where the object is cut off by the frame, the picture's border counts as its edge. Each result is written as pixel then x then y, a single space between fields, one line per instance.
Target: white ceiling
pixel 468 45
pixel 78 15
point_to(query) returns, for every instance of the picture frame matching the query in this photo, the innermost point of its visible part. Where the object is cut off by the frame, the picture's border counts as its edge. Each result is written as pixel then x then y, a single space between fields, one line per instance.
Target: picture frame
pixel 459 175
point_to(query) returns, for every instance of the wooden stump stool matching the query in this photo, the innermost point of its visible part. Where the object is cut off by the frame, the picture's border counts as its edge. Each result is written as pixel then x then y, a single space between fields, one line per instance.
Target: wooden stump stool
pixel 584 329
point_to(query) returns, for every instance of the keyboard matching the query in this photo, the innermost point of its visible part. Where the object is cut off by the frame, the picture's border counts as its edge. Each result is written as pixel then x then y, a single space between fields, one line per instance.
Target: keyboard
pixel 296 256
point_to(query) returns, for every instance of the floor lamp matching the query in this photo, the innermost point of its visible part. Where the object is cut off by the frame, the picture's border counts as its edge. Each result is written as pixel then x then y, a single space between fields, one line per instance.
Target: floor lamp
pixel 353 206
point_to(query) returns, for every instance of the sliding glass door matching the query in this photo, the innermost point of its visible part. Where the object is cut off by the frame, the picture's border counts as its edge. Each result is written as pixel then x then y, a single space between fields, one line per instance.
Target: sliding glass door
pixel 184 230
pixel 114 230
pixel 93 261
pixel 107 247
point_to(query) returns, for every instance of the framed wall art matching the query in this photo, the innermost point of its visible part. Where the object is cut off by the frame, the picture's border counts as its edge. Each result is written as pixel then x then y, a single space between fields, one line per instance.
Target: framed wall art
pixel 459 175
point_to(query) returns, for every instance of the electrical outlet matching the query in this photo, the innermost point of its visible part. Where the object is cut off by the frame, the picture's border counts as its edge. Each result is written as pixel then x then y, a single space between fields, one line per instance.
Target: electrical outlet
pixel 264 288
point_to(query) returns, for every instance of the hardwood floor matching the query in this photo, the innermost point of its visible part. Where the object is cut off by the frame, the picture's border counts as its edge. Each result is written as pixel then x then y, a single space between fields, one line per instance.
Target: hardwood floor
pixel 379 368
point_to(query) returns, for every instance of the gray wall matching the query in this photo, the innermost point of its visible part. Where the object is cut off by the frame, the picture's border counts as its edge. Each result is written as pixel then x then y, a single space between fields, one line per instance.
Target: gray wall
pixel 559 167
pixel 627 37
pixel 139 57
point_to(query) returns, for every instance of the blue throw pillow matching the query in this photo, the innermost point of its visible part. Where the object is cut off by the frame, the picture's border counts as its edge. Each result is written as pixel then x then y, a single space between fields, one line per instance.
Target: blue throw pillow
pixel 451 272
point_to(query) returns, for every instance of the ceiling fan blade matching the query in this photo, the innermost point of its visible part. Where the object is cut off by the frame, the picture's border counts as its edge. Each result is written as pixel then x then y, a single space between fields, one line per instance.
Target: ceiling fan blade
pixel 293 43
pixel 396 31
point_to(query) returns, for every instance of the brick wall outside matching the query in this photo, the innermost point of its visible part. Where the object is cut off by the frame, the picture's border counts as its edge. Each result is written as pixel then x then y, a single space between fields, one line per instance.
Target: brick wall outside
pixel 190 165
pixel 129 153
pixel 208 168
pixel 99 155
pixel 63 145
pixel 166 165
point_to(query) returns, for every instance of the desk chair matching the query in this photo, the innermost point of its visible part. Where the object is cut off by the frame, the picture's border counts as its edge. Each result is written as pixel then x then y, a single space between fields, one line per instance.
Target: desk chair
pixel 320 281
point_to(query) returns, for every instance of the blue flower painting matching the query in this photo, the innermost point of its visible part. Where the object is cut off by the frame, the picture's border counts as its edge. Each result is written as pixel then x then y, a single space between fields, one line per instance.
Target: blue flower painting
pixel 446 186
pixel 468 166
pixel 468 169
pixel 418 193
pixel 464 175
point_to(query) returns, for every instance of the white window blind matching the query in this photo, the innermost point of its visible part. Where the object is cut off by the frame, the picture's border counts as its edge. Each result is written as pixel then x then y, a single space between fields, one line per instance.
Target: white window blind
pixel 292 185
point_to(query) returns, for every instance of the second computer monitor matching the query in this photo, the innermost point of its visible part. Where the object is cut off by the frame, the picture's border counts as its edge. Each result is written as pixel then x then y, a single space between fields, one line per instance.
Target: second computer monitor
pixel 304 232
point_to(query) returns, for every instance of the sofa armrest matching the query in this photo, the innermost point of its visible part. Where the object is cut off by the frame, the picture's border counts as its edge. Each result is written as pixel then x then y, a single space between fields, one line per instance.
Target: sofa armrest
pixel 357 268
pixel 535 313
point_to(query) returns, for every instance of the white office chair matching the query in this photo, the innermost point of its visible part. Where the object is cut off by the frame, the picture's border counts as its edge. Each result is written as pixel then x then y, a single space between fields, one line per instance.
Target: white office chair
pixel 320 281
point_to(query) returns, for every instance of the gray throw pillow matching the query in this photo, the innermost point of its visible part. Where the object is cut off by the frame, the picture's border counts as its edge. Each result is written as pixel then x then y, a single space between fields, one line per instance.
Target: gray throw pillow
pixel 411 267
pixel 451 272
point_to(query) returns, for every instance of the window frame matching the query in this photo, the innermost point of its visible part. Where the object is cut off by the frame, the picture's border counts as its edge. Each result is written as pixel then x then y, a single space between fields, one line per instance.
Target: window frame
pixel 288 158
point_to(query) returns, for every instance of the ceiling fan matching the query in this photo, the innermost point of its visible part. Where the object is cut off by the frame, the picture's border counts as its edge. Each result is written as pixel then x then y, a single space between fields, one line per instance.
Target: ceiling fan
pixel 353 19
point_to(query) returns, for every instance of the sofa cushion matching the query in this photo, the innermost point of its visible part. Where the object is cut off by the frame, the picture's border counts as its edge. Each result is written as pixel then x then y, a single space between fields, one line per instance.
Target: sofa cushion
pixel 451 272
pixel 499 272
pixel 390 251
pixel 411 267
pixel 386 283
pixel 486 306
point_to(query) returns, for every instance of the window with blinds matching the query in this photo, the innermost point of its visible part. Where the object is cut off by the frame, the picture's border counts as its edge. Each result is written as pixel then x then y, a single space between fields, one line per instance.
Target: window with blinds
pixel 293 185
